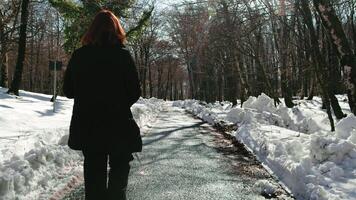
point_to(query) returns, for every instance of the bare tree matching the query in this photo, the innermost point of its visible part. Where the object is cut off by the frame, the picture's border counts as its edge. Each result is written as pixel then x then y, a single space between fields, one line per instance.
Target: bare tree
pixel 345 53
pixel 15 85
pixel 9 11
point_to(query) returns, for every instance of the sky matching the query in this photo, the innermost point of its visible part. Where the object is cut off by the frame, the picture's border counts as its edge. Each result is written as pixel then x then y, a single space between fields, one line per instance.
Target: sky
pixel 162 4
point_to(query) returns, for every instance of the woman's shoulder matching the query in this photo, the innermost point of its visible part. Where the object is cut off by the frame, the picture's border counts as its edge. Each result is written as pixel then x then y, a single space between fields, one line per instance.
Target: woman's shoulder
pixel 88 53
pixel 123 51
pixel 89 48
pixel 122 48
pixel 79 51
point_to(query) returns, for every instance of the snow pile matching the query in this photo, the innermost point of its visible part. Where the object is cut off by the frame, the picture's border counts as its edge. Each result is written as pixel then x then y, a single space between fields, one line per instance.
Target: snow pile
pixel 317 166
pixel 346 128
pixel 264 111
pixel 210 113
pixel 265 187
pixel 35 161
pixel 145 111
pixel 296 144
pixel 36 174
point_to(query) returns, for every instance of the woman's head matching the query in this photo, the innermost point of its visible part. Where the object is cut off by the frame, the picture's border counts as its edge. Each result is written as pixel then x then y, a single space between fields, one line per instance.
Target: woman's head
pixel 105 30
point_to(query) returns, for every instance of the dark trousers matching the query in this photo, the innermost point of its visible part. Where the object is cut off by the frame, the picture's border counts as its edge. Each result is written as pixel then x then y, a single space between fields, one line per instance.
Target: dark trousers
pixel 97 185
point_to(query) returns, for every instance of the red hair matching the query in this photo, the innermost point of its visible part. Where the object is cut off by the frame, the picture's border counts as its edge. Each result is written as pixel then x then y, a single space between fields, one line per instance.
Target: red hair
pixel 105 30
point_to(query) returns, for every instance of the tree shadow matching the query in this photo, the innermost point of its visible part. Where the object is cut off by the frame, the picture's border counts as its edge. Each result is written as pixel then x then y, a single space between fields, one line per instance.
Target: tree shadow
pixel 5 106
pixel 49 112
pixel 164 134
pixel 40 97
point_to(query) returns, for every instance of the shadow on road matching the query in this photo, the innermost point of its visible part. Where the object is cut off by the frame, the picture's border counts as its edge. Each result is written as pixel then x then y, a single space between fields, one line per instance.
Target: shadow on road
pixel 165 134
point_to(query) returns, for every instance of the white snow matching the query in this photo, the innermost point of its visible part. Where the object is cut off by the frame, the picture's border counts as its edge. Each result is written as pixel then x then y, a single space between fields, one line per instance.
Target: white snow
pixel 35 161
pixel 295 144
pixel 265 187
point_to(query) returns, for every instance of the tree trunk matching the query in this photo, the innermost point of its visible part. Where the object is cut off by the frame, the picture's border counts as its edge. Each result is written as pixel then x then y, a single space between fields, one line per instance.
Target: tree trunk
pixel 352 23
pixel 150 80
pixel 3 58
pixel 181 96
pixel 283 53
pixel 191 80
pixel 326 102
pixel 312 88
pixel 265 79
pixel 4 70
pixel 145 58
pixel 159 83
pixel 166 90
pixel 243 87
pixel 345 53
pixel 220 83
pixel 318 61
pixel 15 85
pixel 32 52
pixel 336 107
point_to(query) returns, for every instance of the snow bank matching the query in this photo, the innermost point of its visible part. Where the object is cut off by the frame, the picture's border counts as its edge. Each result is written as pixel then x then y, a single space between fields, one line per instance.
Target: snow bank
pixel 210 113
pixel 265 187
pixel 296 144
pixel 37 173
pixel 145 111
pixel 264 111
pixel 35 161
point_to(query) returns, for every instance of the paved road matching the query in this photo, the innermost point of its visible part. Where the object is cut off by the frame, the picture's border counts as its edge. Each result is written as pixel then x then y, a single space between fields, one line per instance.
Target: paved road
pixel 182 160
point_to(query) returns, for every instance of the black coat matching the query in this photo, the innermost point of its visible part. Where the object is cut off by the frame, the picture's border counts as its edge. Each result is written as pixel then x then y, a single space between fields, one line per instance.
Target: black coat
pixel 104 84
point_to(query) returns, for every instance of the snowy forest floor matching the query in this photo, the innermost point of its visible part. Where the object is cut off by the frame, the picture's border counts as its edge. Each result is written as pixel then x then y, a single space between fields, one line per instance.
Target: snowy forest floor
pixel 185 158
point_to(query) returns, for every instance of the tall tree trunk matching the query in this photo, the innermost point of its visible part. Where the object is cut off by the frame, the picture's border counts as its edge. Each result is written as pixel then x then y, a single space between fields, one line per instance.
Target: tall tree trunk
pixel 171 91
pixel 352 23
pixel 283 53
pixel 333 25
pixel 150 80
pixel 336 106
pixel 4 69
pixel 243 87
pixel 3 57
pixel 15 85
pixel 231 68
pixel 267 82
pixel 181 95
pixel 220 82
pixel 191 80
pixel 166 90
pixel 306 73
pixel 37 71
pixel 318 61
pixel 146 63
pixel 334 80
pixel 259 53
pixel 312 88
pixel 175 90
pixel 32 51
pixel 230 83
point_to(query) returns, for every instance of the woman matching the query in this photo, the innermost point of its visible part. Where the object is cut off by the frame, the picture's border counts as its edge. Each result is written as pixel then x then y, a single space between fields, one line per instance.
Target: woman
pixel 102 78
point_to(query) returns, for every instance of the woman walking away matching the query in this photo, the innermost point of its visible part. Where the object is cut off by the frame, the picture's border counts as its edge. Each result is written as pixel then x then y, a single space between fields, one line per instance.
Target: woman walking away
pixel 102 78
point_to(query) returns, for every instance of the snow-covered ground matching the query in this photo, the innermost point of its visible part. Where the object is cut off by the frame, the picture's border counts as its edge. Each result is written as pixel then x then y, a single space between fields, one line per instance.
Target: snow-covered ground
pixel 295 144
pixel 35 161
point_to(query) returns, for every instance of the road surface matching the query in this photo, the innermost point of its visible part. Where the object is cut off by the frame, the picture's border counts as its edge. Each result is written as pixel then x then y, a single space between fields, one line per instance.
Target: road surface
pixel 184 158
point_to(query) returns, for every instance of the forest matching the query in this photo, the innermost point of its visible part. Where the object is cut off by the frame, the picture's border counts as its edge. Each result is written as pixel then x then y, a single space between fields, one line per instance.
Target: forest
pixel 214 50
pixel 240 99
